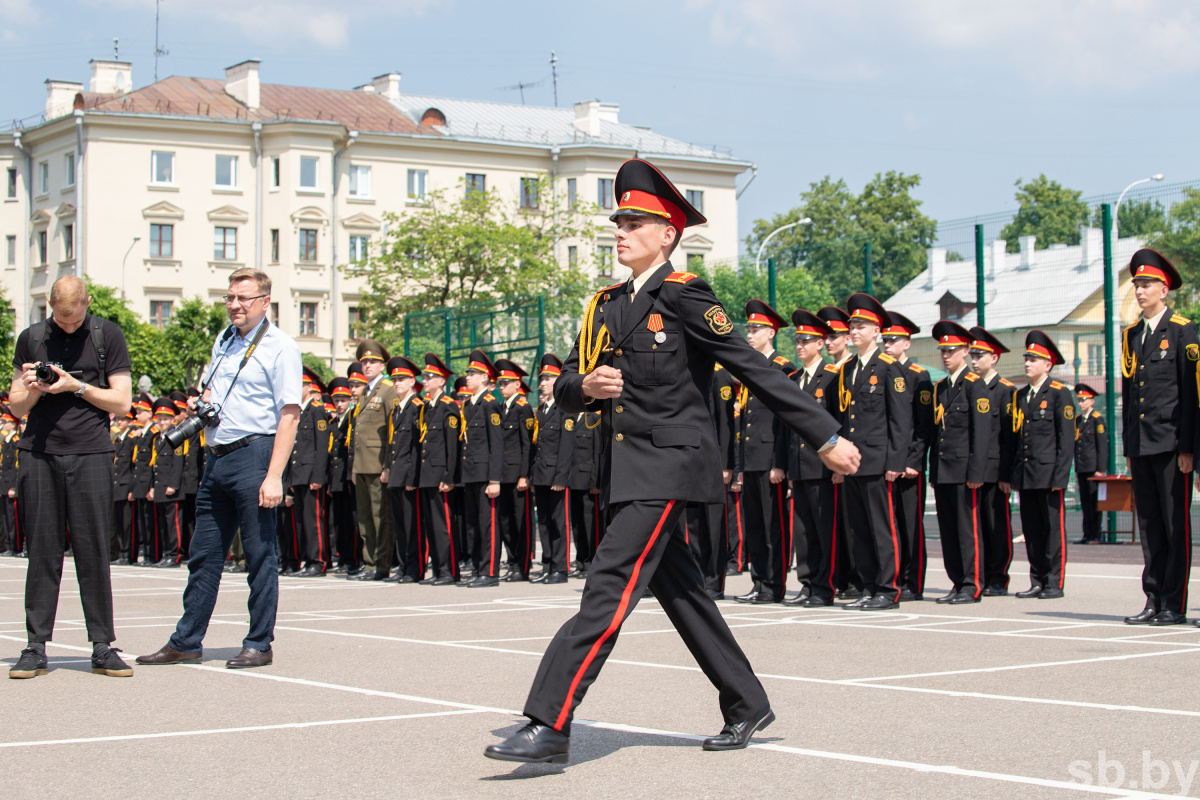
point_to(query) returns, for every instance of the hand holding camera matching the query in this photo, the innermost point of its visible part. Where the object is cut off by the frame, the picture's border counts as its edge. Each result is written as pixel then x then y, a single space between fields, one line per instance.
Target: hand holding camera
pixel 48 377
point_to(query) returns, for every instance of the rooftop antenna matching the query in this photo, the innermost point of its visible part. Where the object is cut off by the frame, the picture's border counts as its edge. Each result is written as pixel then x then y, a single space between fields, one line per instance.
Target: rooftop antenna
pixel 116 49
pixel 522 86
pixel 158 51
pixel 554 73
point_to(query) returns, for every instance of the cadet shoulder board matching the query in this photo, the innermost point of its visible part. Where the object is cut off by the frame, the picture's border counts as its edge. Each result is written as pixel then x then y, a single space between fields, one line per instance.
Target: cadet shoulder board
pixel 885 358
pixel 971 376
pixel 831 368
pixel 780 360
pixel 681 277
pixel 1179 319
pixel 916 368
pixel 1007 382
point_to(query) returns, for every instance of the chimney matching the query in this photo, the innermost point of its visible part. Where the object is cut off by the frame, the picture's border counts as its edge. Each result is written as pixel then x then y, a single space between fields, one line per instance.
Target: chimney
pixel 937 265
pixel 590 114
pixel 1093 245
pixel 388 86
pixel 111 77
pixel 60 97
pixel 998 258
pixel 241 83
pixel 1026 243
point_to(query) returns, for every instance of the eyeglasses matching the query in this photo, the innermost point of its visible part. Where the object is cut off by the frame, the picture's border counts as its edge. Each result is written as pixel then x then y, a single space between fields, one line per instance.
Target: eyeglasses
pixel 230 299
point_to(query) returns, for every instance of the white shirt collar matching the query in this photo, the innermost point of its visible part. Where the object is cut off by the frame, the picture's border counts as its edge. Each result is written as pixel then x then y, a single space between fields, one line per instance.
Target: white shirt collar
pixel 635 284
pixel 862 360
pixel 1035 388
pixel 1152 323
pixel 954 378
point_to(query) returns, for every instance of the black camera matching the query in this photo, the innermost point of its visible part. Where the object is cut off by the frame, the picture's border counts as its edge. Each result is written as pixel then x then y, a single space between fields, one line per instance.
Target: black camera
pixel 44 372
pixel 208 415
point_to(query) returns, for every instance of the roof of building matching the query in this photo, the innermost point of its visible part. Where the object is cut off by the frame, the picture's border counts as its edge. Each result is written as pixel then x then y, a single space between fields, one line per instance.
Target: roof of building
pixel 1030 289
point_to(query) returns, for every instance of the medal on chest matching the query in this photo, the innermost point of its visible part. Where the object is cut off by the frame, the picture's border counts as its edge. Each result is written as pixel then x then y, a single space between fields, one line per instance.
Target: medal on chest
pixel 873 381
pixel 1162 349
pixel 655 324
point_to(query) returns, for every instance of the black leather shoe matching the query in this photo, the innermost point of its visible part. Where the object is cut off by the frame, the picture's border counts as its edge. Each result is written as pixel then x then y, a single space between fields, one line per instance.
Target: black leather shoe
pixel 962 598
pixel 290 571
pixel 393 578
pixel 1032 591
pixel 249 657
pixel 1050 593
pixel 445 580
pixel 909 596
pixel 943 600
pixel 541 577
pixel 737 736
pixel 748 596
pixel 850 594
pixel 514 577
pixel 311 571
pixel 406 579
pixel 575 573
pixel 482 581
pixel 362 576
pixel 762 598
pixel 556 577
pixel 119 562
pixel 227 567
pixel 533 744
pixel 715 595
pixel 860 602
pixel 995 591
pixel 798 600
pixel 427 581
pixel 1166 617
pixel 732 571
pixel 1143 617
pixel 816 601
pixel 167 563
pixel 880 602
pixel 169 655
pixel 340 569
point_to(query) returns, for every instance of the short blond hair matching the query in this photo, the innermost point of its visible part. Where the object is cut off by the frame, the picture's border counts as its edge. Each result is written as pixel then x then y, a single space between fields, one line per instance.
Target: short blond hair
pixel 250 274
pixel 68 294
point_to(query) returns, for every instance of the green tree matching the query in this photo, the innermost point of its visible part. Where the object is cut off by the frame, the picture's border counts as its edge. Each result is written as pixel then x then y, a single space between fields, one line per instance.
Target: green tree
pixel 795 288
pixel 319 366
pixel 1047 210
pixel 1180 243
pixel 190 334
pixel 8 338
pixel 1136 219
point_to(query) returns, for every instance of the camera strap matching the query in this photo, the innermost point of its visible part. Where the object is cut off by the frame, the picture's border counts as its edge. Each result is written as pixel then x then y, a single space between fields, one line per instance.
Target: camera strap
pixel 262 330
pixel 39 331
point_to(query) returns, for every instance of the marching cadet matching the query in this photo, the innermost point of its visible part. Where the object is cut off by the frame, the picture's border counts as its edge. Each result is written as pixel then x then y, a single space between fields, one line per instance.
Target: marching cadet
pixel 145 522
pixel 341 491
pixel 958 462
pixel 837 343
pixel 714 522
pixel 582 513
pixel 1091 458
pixel 550 473
pixel 815 508
pixel 766 522
pixel 481 471
pixel 1038 465
pixel 1158 362
pixel 908 491
pixel 660 454
pixel 515 504
pixel 438 473
pixel 996 515
pixel 873 399
pixel 403 461
pixel 166 490
pixel 308 471
pixel 369 445
pixel 123 446
pixel 14 545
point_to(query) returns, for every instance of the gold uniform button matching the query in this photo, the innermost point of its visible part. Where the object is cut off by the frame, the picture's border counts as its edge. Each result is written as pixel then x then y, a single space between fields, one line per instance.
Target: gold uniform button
pixel 619 352
pixel 620 409
pixel 620 437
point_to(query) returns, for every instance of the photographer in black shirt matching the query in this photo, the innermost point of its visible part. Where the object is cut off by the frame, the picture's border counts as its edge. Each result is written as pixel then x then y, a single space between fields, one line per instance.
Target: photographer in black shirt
pixel 70 372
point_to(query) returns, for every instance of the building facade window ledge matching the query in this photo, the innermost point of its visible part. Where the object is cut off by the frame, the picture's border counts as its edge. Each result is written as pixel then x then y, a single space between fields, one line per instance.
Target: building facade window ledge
pixel 164 262
pixel 226 190
pixel 230 265
pixel 311 192
pixel 365 201
pixel 41 196
pixel 67 189
pixel 162 187
pixel 309 265
pixel 12 199
pixel 66 263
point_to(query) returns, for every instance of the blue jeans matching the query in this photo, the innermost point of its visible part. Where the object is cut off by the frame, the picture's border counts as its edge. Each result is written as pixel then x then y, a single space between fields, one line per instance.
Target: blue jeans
pixel 227 501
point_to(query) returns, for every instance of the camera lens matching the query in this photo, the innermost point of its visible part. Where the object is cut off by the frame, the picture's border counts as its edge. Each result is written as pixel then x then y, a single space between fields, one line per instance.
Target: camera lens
pixel 44 374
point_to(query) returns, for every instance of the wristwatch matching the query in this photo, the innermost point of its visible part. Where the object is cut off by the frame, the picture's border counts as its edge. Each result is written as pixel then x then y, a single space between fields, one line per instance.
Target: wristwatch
pixel 82 386
pixel 832 441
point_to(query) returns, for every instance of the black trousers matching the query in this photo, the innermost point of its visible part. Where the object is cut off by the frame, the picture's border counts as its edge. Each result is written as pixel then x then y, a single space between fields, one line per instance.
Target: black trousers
pixel 67 491
pixel 462 542
pixel 482 530
pixel 959 515
pixel 1043 518
pixel 552 527
pixel 312 535
pixel 288 537
pixel 145 525
pixel 873 532
pixel 707 534
pixel 845 571
pixel 405 515
pixel 122 529
pixel 1164 497
pixel 908 504
pixel 734 527
pixel 642 547
pixel 169 525
pixel 13 520
pixel 814 520
pixel 996 519
pixel 767 526
pixel 438 522
pixel 1088 499
pixel 343 505
pixel 515 510
pixel 583 523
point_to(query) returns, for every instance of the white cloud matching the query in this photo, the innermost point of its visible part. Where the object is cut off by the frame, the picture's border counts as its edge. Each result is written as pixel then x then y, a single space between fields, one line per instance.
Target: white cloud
pixel 1073 43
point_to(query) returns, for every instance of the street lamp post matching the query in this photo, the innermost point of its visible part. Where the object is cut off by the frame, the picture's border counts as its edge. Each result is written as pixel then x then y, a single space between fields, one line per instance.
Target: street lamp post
pixel 136 239
pixel 761 247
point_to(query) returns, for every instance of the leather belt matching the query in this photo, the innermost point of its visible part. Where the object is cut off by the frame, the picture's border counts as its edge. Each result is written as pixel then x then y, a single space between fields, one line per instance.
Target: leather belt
pixel 218 450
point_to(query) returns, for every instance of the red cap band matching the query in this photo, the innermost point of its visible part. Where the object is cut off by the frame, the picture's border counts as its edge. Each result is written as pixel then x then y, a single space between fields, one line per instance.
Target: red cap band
pixel 898 330
pixel 869 316
pixel 341 391
pixel 636 200
pixel 479 366
pixel 550 370
pixel 979 344
pixel 763 319
pixel 1037 350
pixel 1154 273
pixel 433 369
pixel 1084 393
pixel 402 372
pixel 508 374
pixel 809 330
pixel 949 342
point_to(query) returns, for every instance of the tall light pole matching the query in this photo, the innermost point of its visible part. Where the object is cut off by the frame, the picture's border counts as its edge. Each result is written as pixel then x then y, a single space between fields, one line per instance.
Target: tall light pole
pixel 761 247
pixel 136 239
pixel 1114 312
pixel 1117 207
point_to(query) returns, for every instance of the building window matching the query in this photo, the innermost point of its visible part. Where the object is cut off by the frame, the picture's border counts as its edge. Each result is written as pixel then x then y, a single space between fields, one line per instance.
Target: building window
pixel 604 260
pixel 358 248
pixel 360 181
pixel 41 240
pixel 529 193
pixel 12 184
pixel 162 167
pixel 162 241
pixel 44 177
pixel 10 248
pixel 1095 359
pixel 70 164
pixel 572 192
pixel 604 193
pixel 308 244
pixel 225 244
pixel 160 313
pixel 696 199
pixel 695 262
pixel 275 172
pixel 226 171
pixel 417 178
pixel 275 314
pixel 308 172
pixel 308 319
pixel 357 322
pixel 274 245
pixel 68 239
pixel 476 182
pixel 572 256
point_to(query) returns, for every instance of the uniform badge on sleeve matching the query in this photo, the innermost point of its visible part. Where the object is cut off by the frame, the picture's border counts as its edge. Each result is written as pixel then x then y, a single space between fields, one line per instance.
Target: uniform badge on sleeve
pixel 726 393
pixel 1069 412
pixel 1099 429
pixel 899 384
pixel 983 405
pixel 453 422
pixel 927 398
pixel 321 424
pixel 1193 352
pixel 529 424
pixel 495 419
pixel 718 321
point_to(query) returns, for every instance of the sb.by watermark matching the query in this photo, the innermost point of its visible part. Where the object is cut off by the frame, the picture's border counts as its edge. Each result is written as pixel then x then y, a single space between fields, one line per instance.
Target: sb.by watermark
pixel 1156 775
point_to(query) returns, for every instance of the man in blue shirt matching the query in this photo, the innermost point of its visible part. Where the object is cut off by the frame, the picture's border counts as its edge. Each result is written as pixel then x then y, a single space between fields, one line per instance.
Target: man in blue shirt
pixel 255 378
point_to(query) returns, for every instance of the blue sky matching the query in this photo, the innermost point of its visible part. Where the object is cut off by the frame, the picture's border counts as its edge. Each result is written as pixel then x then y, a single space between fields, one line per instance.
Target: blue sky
pixel 970 95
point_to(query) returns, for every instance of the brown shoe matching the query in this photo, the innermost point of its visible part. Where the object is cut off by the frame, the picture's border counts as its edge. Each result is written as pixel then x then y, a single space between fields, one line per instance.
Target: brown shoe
pixel 249 657
pixel 169 655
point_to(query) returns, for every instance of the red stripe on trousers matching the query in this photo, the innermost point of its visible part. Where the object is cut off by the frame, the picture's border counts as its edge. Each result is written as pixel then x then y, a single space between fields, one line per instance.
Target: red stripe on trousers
pixel 320 535
pixel 741 533
pixel 492 566
pixel 783 533
pixel 895 539
pixel 975 535
pixel 833 542
pixel 616 620
pixel 450 533
pixel 1062 537
pixel 1187 527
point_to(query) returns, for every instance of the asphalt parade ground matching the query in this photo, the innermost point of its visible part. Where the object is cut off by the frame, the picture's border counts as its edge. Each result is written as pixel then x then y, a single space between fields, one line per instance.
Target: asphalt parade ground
pixel 394 690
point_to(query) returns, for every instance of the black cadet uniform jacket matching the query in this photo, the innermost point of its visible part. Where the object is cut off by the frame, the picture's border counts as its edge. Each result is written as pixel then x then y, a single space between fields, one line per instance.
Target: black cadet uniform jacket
pixel 404 437
pixel 516 426
pixel 1159 387
pixel 143 473
pixel 310 454
pixel 726 416
pixel 764 438
pixel 875 411
pixel 920 391
pixel 122 466
pixel 585 453
pixel 483 441
pixel 339 453
pixel 962 434
pixel 1091 443
pixel 1002 391
pixel 658 436
pixel 1043 441
pixel 803 462
pixel 168 470
pixel 552 446
pixel 193 467
pixel 439 443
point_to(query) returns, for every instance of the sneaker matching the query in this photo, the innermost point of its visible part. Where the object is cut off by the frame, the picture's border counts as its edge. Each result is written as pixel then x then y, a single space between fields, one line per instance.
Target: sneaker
pixel 29 665
pixel 110 664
